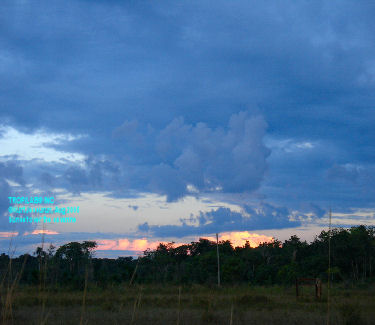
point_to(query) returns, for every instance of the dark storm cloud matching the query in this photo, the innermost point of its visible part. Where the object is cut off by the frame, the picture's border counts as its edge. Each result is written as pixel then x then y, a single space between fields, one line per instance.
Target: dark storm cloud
pixel 120 72
pixel 231 159
pixel 317 210
pixel 134 207
pixel 266 216
pixel 159 60
pixel 10 171
pixel 176 160
pixel 343 173
pixel 321 175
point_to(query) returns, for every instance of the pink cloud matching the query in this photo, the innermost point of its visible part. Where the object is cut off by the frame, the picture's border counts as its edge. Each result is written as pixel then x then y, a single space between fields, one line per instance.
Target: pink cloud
pixel 5 234
pixel 126 244
pixel 139 245
pixel 239 238
pixel 42 231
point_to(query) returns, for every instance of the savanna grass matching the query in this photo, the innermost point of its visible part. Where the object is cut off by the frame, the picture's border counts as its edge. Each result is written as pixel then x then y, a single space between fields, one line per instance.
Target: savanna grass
pixel 192 305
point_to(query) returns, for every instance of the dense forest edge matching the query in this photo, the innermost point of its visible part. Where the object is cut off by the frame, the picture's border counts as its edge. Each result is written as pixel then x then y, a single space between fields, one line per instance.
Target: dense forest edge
pixel 74 264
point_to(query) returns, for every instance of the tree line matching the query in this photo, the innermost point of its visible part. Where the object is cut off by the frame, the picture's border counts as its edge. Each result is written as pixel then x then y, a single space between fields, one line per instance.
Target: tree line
pixel 352 259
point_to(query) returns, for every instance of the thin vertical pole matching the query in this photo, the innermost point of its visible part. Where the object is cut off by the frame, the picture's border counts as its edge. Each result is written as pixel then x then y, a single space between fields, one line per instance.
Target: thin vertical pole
pixel 135 271
pixel 218 259
pixel 179 305
pixel 297 289
pixel 329 269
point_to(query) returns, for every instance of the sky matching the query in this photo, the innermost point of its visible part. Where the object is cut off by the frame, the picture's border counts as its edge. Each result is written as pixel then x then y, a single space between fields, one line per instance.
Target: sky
pixel 174 120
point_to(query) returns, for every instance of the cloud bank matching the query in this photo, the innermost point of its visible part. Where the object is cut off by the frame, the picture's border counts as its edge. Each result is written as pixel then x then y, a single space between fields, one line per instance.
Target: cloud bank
pixel 224 219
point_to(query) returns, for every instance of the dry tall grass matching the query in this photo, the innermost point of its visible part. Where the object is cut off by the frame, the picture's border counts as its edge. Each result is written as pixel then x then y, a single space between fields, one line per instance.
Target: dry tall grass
pixel 194 305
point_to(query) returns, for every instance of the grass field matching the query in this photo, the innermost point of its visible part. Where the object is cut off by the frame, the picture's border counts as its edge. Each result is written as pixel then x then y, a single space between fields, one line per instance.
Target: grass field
pixel 188 305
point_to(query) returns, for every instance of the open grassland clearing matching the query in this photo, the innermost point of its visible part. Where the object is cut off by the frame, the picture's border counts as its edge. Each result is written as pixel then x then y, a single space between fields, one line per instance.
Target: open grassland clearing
pixel 190 305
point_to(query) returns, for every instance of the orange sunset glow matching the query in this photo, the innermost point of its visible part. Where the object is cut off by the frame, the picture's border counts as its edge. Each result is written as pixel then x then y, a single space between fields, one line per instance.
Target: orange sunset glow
pixel 236 238
pixel 126 244
pixel 239 238
pixel 7 234
pixel 44 231
pixel 41 232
